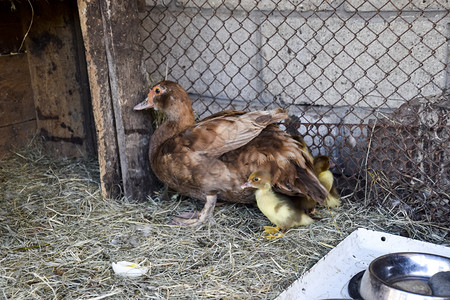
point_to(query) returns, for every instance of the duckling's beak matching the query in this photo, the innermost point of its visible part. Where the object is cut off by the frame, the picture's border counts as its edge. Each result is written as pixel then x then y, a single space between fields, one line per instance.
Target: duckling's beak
pixel 246 185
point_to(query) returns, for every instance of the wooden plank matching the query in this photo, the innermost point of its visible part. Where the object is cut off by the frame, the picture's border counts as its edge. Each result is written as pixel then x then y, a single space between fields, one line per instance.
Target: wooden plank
pixel 16 136
pixel 122 46
pixel 53 59
pixel 124 53
pixel 116 86
pixel 16 97
pixel 89 123
pixel 17 114
pixel 108 152
pixel 10 27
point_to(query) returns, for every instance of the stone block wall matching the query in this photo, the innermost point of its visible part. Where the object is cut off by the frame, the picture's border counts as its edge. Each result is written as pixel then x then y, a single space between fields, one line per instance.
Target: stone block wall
pixel 367 55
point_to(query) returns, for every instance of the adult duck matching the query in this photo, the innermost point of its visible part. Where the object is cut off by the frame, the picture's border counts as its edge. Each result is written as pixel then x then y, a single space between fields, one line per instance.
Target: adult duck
pixel 210 159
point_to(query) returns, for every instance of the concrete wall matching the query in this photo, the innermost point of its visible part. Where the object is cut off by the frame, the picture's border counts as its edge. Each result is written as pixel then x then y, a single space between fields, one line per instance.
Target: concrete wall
pixel 355 56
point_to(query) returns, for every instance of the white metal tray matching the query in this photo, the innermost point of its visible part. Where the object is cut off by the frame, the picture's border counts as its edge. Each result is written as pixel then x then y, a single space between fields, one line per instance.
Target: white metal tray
pixel 329 277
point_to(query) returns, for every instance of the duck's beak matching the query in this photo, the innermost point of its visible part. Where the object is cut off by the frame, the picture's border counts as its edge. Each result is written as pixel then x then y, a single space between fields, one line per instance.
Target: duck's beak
pixel 143 105
pixel 146 104
pixel 246 185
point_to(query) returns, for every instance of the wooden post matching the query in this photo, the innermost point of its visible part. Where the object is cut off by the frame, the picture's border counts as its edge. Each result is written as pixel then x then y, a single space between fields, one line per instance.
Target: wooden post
pixel 114 55
pixel 108 153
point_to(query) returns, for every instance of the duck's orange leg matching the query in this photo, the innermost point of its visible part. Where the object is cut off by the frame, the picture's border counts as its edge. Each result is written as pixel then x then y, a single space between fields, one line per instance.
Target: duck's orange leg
pixel 200 217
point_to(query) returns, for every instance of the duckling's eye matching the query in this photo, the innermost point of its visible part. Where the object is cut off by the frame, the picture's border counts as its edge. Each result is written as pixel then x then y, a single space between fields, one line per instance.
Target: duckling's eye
pixel 256 179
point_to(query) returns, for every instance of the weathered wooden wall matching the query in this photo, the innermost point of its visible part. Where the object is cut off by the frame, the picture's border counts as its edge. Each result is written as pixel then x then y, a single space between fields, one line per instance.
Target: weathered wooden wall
pixel 59 79
pixel 68 94
pixel 114 56
pixel 17 115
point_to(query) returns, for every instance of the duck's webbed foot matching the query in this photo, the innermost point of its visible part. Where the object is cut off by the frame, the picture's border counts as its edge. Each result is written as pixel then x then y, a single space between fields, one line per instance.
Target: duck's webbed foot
pixel 197 218
pixel 272 237
pixel 272 233
pixel 271 229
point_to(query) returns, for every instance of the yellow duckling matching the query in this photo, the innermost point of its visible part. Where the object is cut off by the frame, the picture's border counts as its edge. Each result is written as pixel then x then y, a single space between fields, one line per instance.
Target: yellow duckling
pixel 282 210
pixel 321 168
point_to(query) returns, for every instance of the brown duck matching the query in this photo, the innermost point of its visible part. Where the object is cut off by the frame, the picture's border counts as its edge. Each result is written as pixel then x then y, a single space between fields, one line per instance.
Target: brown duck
pixel 212 158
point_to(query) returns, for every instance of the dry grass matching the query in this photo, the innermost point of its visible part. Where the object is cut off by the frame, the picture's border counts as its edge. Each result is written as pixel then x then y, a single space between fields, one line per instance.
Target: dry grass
pixel 59 238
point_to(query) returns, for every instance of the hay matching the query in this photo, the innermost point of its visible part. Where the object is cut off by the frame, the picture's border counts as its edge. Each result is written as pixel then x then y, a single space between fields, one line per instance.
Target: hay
pixel 59 238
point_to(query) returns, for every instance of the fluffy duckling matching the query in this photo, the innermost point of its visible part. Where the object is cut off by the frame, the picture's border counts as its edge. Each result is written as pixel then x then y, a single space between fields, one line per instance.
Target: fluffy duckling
pixel 282 210
pixel 321 168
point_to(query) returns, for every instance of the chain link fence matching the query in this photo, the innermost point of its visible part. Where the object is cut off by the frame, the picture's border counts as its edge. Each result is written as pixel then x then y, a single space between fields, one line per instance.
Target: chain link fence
pixel 365 83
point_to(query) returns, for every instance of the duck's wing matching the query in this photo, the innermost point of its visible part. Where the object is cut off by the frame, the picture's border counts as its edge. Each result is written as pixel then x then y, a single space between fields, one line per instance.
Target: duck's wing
pixel 298 181
pixel 286 159
pixel 217 135
pixel 225 113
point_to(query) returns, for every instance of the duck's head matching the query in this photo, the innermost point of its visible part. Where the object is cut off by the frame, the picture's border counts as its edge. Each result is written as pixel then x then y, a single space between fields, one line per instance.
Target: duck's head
pixel 261 180
pixel 168 97
pixel 321 163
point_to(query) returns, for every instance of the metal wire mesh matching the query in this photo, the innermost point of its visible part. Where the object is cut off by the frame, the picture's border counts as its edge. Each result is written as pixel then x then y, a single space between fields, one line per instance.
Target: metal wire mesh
pixel 344 69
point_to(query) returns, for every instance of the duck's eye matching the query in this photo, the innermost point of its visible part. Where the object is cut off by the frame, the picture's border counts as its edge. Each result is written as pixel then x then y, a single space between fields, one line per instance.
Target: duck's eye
pixel 256 179
pixel 157 91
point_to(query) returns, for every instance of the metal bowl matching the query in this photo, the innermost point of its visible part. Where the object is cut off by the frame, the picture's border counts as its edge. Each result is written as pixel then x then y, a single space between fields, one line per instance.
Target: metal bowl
pixel 381 280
